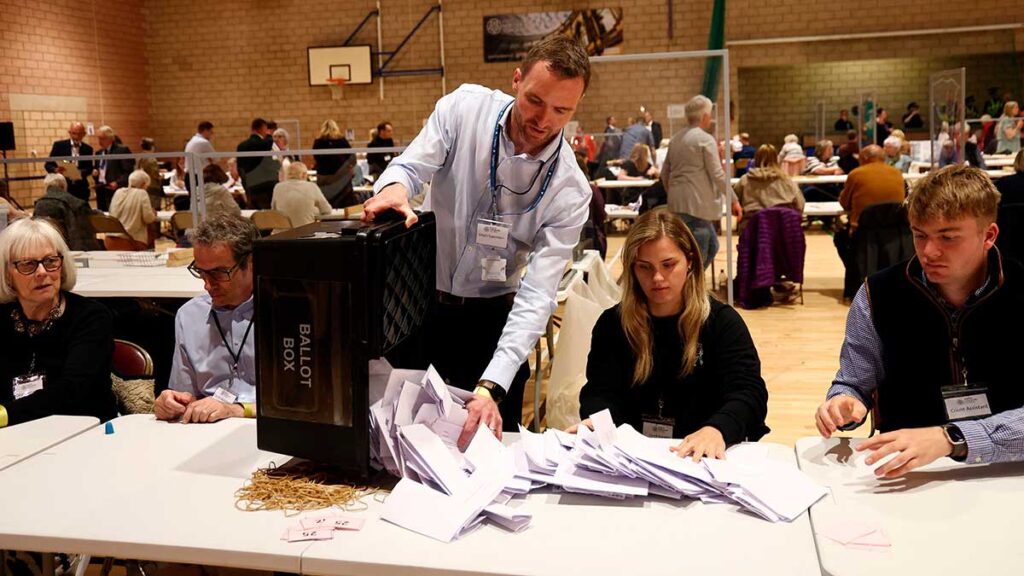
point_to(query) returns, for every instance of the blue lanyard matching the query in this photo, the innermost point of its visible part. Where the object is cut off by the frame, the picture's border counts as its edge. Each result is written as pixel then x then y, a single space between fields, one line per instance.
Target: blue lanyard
pixel 494 170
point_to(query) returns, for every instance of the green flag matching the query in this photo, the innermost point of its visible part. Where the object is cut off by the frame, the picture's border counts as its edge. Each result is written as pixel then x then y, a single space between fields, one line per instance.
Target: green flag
pixel 716 41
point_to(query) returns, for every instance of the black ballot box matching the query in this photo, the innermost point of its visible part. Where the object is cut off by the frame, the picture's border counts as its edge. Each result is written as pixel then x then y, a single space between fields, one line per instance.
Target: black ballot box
pixel 331 296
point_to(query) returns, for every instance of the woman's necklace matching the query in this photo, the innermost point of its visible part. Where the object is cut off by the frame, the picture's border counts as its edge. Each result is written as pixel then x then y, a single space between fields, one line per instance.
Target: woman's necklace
pixel 32 327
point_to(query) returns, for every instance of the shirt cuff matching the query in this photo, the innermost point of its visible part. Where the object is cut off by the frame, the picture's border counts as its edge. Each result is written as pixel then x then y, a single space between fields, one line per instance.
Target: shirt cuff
pixel 845 390
pixel 395 176
pixel 3 417
pixel 500 372
pixel 980 449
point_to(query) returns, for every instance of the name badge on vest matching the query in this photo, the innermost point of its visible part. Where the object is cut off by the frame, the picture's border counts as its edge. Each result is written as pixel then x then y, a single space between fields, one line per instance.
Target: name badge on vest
pixel 27 385
pixel 658 427
pixel 966 402
pixel 492 233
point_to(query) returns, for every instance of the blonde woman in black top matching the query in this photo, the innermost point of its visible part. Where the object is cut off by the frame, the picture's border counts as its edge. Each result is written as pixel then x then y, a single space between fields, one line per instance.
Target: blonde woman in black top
pixel 670 359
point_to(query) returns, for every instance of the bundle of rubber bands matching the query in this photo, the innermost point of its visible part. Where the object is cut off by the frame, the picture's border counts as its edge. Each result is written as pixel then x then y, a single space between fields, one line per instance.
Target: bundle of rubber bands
pixel 298 487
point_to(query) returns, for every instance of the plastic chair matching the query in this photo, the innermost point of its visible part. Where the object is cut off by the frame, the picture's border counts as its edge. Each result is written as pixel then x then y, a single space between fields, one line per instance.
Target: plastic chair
pixel 270 221
pixel 882 239
pixel 115 236
pixel 131 360
pixel 180 221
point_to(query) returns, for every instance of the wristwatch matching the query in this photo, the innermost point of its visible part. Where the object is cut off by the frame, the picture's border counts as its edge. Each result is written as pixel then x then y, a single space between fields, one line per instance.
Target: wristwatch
pixel 496 392
pixel 955 437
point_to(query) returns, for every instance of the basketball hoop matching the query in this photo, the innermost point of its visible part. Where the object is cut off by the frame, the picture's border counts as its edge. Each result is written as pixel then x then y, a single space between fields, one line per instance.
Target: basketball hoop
pixel 337 87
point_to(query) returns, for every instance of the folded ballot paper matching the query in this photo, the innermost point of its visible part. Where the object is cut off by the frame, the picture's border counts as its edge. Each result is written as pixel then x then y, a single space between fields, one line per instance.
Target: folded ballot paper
pixel 445 493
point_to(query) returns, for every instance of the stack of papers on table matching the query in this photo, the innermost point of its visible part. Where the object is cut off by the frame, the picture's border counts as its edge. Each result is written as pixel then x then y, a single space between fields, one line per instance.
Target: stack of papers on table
pixel 444 493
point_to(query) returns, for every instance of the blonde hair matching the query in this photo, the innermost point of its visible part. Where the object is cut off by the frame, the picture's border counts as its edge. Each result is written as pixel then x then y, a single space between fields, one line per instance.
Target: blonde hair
pixel 296 171
pixel 791 139
pixel 766 159
pixel 952 193
pixel 1008 108
pixel 634 312
pixel 329 130
pixel 105 131
pixel 20 237
pixel 641 157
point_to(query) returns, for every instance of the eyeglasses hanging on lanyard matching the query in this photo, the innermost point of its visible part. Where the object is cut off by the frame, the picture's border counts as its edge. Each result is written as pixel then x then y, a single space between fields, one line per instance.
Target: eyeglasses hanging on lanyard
pixel 544 185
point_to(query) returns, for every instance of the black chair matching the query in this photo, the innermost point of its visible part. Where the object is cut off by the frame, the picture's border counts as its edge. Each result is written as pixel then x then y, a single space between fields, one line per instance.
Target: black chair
pixel 1011 231
pixel 882 239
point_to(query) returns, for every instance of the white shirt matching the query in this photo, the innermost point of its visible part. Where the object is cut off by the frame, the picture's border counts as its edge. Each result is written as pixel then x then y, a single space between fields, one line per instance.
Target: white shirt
pixel 453 153
pixel 196 145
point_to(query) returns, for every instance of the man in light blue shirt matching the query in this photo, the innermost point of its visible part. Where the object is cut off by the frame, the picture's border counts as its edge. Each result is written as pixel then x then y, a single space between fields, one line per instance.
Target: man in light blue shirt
pixel 213 374
pixel 635 134
pixel 508 197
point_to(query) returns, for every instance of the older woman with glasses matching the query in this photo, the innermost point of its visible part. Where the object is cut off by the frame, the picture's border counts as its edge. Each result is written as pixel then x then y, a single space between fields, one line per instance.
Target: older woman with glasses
pixel 56 350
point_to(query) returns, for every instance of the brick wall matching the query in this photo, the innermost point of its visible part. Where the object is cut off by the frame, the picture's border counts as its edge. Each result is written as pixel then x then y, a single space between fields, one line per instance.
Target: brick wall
pixel 165 65
pixel 60 61
pixel 780 100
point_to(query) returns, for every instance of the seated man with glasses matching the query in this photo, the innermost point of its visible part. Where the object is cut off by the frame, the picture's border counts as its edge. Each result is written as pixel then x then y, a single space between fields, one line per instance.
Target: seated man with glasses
pixel 213 375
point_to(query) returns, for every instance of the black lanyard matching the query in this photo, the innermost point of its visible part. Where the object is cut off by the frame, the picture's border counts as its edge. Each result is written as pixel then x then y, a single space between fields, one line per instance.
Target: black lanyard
pixel 234 356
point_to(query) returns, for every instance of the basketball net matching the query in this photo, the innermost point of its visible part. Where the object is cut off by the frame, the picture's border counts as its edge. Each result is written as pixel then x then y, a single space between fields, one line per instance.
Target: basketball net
pixel 337 88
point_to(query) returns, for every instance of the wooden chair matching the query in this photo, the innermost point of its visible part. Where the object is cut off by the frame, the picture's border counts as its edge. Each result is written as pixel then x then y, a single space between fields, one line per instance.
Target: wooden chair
pixel 180 221
pixel 269 221
pixel 131 360
pixel 115 237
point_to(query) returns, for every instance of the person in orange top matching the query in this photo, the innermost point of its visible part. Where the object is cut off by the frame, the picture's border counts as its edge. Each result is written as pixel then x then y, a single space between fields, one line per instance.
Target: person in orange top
pixel 874 182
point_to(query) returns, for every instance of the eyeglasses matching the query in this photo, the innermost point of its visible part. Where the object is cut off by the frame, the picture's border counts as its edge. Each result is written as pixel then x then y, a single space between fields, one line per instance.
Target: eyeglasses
pixel 214 275
pixel 29 267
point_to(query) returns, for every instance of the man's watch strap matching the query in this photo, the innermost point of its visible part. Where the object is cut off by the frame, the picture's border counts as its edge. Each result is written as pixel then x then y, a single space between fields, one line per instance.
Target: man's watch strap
pixel 496 392
pixel 956 437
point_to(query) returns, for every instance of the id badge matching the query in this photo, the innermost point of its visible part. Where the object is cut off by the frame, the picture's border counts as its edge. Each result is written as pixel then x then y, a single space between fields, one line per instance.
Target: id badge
pixel 224 395
pixel 658 427
pixel 966 402
pixel 492 233
pixel 27 385
pixel 492 269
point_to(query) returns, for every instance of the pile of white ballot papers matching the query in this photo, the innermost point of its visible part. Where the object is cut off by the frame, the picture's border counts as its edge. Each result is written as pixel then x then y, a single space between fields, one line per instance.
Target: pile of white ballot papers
pixel 444 493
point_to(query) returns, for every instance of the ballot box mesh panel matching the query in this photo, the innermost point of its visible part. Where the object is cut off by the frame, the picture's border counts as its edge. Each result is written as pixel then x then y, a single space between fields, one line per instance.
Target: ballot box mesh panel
pixel 408 286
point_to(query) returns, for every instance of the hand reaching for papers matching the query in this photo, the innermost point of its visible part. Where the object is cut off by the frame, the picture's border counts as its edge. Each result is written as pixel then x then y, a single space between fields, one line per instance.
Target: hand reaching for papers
pixel 914 447
pixel 482 412
pixel 707 441
pixel 575 427
pixel 392 197
pixel 210 409
pixel 837 412
pixel 171 404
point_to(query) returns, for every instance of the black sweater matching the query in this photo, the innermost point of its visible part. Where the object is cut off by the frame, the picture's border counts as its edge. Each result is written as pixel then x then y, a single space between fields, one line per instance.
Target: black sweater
pixel 75 355
pixel 724 391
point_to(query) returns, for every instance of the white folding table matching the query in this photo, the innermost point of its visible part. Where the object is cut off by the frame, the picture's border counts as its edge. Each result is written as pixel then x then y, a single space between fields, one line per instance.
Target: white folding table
pixel 27 439
pixel 578 534
pixel 151 491
pixel 945 518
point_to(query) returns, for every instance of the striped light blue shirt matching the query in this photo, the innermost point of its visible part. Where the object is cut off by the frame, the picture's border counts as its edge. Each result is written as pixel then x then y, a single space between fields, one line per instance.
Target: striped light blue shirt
pixel 997 438
pixel 453 154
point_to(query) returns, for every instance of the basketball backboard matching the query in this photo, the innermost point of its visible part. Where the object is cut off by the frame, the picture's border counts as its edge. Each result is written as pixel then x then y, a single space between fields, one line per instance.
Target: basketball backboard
pixel 349 62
